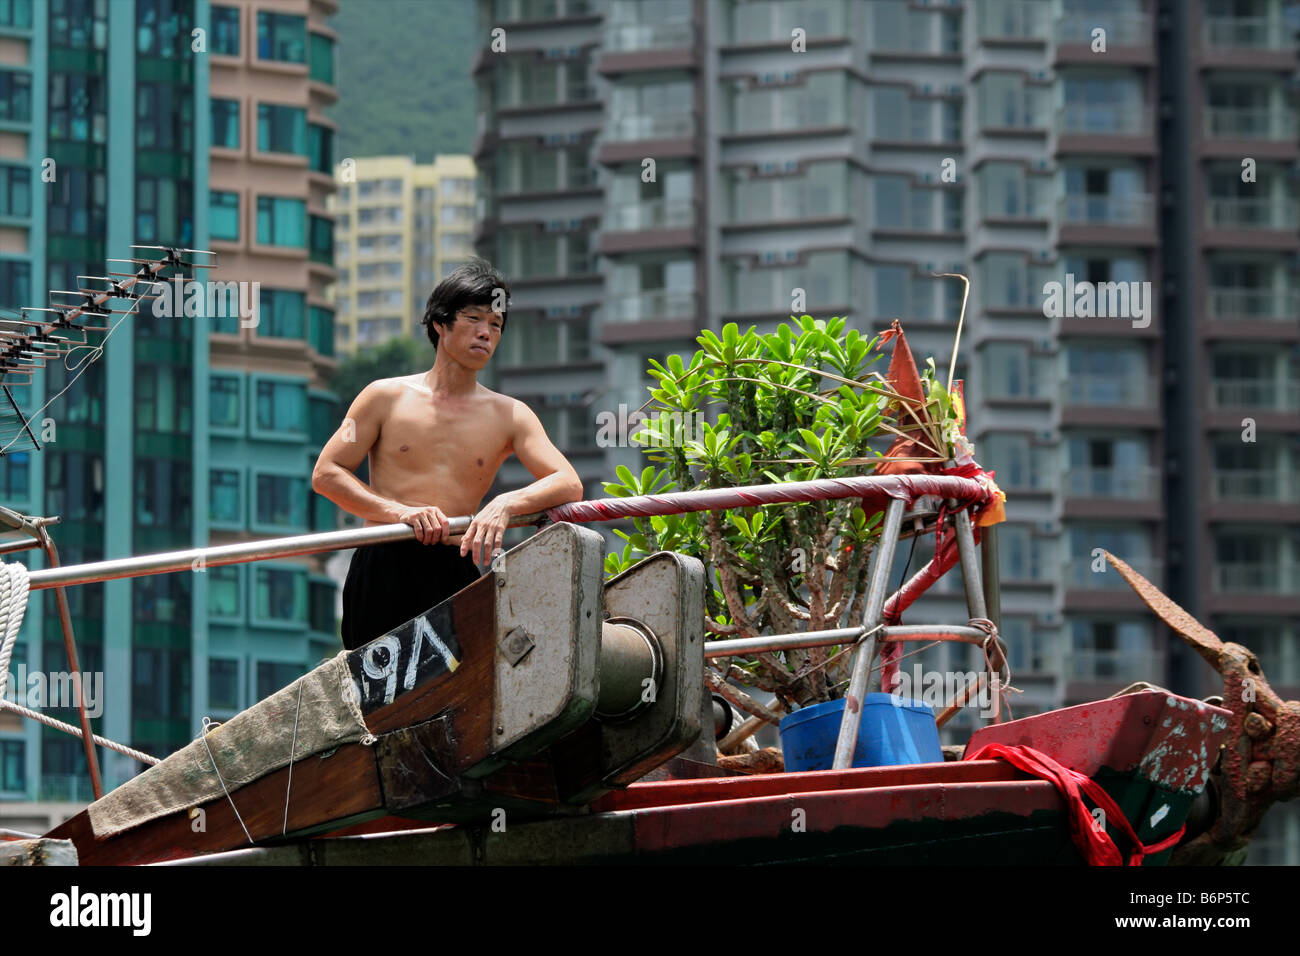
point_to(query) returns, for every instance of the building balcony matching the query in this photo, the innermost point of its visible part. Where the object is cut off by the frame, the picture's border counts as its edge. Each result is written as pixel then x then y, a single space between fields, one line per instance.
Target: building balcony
pixel 1080 576
pixel 71 787
pixel 1253 305
pixel 1122 29
pixel 1137 483
pixel 1239 213
pixel 1244 33
pixel 1259 393
pixel 652 214
pixel 1239 484
pixel 1255 577
pixel 545 95
pixel 1012 20
pixel 624 129
pixel 1259 124
pixel 1096 391
pixel 1120 666
pixel 1132 211
pixel 1013 118
pixel 1108 120
pixel 657 305
pixel 637 37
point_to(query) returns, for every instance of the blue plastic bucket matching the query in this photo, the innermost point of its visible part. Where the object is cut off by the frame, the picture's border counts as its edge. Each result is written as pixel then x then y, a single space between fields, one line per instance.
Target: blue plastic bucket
pixel 892 731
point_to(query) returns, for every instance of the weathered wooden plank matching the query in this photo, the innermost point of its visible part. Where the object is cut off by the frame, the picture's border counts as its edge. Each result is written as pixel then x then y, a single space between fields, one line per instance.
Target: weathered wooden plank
pixel 326 790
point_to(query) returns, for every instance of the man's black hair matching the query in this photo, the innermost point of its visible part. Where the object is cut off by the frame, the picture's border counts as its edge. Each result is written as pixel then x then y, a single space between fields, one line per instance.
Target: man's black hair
pixel 474 283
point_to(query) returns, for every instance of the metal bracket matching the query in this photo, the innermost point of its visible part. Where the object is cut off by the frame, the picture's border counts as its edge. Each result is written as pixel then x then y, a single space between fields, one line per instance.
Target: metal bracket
pixel 516 645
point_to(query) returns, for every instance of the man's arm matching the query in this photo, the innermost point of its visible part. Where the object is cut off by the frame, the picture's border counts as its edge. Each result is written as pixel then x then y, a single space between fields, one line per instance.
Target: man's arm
pixel 557 483
pixel 334 475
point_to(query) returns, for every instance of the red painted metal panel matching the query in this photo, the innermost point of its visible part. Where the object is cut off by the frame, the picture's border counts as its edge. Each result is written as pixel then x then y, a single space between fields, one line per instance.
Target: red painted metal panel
pixel 766 818
pixel 1172 739
pixel 673 792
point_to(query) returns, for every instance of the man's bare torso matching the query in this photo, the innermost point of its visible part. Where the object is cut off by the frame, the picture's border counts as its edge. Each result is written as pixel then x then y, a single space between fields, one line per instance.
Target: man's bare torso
pixel 441 451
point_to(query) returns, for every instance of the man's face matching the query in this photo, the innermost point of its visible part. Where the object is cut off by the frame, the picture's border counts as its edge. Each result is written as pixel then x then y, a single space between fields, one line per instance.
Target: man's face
pixel 473 337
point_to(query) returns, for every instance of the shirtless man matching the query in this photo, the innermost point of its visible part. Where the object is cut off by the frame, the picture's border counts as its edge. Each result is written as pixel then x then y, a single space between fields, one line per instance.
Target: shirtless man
pixel 435 441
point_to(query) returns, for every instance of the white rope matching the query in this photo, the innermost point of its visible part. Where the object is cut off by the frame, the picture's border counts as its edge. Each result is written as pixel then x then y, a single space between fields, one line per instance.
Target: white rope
pixel 13 605
pixel 292 748
pixel 210 724
pixel 76 732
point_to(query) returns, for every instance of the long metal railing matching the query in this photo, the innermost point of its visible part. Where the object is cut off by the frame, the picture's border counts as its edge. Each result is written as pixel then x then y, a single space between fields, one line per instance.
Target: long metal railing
pixel 980 590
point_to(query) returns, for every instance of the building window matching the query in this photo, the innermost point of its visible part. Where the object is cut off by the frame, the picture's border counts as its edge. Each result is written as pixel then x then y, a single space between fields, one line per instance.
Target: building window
pixel 162 399
pixel 281 222
pixel 282 314
pixel 322 606
pixel 77 107
pixel 320 147
pixel 282 37
pixel 223 407
pixel 224 506
pixel 281 129
pixel 13 753
pixel 15 191
pixel 163 28
pixel 16 96
pixel 225 30
pixel 162 494
pixel 223 591
pixel 274 675
pixel 281 406
pixel 281 596
pixel 15 284
pixel 164 210
pixel 322 240
pixel 322 59
pixel 16 14
pixel 162 599
pixel 16 475
pixel 160 684
pixel 282 501
pixel 223 215
pixel 321 334
pixel 223 683
pixel 225 123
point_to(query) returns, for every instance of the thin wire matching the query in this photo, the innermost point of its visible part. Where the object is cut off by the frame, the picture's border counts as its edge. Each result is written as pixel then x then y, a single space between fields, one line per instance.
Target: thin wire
pixel 292 747
pixel 208 722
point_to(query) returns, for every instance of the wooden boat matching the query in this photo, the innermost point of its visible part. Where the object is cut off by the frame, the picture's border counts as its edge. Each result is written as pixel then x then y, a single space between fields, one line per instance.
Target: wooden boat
pixel 545 767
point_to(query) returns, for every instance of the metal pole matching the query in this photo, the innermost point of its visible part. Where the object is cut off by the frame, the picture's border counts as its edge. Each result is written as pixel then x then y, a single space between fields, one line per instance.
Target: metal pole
pixel 22 544
pixel 193 559
pixel 862 663
pixel 970 568
pixel 787 642
pixel 990 574
pixel 70 646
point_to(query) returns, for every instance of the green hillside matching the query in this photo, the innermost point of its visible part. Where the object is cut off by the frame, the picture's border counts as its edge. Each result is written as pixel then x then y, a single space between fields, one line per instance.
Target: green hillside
pixel 403 77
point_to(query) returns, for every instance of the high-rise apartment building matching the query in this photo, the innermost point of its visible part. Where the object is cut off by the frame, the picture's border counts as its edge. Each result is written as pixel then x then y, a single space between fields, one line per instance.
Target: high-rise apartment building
pixel 117 127
pixel 400 227
pixel 649 168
